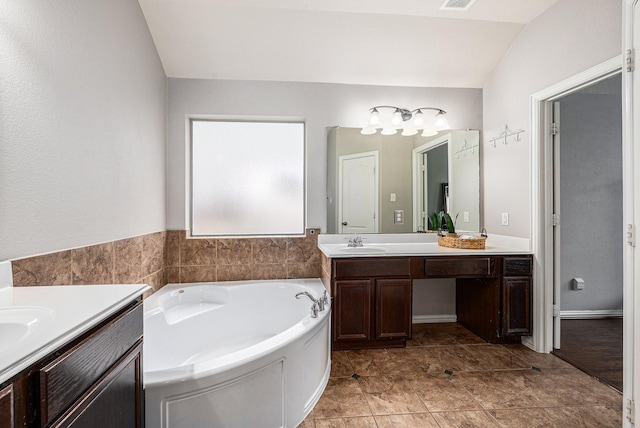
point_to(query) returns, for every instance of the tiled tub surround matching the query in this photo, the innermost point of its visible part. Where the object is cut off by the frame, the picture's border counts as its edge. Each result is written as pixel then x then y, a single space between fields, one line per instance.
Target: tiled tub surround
pixel 171 257
pixel 233 259
pixel 136 260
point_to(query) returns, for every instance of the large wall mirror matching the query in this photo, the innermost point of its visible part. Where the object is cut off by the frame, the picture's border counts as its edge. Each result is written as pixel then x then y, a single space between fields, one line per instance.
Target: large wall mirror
pixel 392 183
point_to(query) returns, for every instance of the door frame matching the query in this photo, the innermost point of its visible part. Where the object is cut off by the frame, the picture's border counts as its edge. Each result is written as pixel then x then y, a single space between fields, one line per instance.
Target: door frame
pixel 542 242
pixel 376 190
pixel 416 165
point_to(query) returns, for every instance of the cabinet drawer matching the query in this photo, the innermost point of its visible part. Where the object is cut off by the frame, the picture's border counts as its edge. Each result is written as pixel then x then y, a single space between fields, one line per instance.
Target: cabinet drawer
pixel 460 267
pixel 70 375
pixel 517 266
pixel 368 268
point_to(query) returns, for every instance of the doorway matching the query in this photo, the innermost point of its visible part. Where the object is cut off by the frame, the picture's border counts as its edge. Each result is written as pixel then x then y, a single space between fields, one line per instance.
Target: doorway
pixel 587 238
pixel 358 193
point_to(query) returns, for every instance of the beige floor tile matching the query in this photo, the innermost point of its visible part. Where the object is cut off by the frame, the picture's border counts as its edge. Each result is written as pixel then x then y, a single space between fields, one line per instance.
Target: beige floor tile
pixel 414 420
pixel 439 393
pixel 340 364
pixel 470 419
pixel 373 362
pixel 524 418
pixel 537 359
pixel 341 398
pixel 357 422
pixel 390 394
pixel 491 357
pixel 596 416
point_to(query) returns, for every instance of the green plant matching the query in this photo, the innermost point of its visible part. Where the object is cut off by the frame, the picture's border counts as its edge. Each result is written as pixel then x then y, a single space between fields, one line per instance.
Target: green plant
pixel 435 221
pixel 446 220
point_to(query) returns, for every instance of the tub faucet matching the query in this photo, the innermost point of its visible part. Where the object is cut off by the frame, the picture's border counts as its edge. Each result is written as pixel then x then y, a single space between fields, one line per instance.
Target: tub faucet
pixel 318 304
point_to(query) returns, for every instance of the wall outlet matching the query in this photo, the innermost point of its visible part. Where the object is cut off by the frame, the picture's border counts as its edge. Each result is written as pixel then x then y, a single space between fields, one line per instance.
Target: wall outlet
pixel 505 219
pixel 465 216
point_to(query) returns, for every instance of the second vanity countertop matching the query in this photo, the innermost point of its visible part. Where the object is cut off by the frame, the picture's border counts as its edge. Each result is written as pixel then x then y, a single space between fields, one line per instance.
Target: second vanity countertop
pixel 416 244
pixel 53 316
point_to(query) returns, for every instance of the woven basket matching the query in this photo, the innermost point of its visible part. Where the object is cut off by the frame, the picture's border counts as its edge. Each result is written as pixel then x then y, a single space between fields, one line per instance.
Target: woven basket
pixel 452 240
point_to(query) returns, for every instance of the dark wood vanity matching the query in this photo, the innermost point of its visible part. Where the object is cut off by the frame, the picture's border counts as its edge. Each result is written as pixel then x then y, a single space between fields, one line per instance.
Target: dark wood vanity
pixel 372 297
pixel 96 380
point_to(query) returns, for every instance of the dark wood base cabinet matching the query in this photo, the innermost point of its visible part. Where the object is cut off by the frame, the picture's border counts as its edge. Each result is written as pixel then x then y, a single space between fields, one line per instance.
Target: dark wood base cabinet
pixel 371 311
pixel 372 297
pixel 95 381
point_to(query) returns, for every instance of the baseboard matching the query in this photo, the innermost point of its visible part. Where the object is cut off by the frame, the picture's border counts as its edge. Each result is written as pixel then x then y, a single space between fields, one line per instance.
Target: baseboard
pixel 582 315
pixel 426 319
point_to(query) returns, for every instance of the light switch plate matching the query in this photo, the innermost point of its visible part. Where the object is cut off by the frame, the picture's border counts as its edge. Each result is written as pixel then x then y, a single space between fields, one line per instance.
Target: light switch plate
pixel 505 219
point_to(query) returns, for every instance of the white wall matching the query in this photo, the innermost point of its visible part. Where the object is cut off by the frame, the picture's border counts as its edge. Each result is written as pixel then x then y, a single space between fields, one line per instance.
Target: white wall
pixel 570 37
pixel 82 125
pixel 321 105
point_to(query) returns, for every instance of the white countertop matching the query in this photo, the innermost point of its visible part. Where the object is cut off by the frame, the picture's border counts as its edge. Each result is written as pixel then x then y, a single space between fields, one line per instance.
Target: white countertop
pixel 414 244
pixel 67 312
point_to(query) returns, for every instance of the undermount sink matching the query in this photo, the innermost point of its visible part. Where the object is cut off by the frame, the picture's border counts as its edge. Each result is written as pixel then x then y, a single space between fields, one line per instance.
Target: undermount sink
pixel 19 323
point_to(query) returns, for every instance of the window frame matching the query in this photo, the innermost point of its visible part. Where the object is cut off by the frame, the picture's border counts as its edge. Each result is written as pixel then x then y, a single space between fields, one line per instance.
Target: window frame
pixel 190 119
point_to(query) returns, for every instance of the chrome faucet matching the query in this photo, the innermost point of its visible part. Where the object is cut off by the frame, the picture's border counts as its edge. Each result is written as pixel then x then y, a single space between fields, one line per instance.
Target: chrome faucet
pixel 318 304
pixel 355 242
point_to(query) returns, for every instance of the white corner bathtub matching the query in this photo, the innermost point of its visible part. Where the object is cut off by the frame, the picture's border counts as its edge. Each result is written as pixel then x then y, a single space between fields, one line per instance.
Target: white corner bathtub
pixel 234 354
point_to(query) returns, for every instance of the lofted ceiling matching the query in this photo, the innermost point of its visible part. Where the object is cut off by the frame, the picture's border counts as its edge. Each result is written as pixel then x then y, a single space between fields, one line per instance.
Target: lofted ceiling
pixel 374 42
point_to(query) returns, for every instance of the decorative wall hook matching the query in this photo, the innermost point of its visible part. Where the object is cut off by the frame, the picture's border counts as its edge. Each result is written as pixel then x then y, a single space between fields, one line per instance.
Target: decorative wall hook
pixel 465 148
pixel 506 133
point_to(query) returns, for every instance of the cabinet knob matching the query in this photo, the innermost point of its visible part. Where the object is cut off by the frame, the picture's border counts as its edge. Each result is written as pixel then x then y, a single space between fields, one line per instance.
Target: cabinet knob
pixel 344 223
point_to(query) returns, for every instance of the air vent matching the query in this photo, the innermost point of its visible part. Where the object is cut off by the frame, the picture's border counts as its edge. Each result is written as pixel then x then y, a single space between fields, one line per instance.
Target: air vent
pixel 459 5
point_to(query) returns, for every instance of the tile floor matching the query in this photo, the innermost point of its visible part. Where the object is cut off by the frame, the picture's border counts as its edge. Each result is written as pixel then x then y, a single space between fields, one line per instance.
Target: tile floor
pixel 448 377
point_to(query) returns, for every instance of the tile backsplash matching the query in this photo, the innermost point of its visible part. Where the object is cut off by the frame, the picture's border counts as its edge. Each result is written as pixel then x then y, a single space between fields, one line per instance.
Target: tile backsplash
pixel 171 257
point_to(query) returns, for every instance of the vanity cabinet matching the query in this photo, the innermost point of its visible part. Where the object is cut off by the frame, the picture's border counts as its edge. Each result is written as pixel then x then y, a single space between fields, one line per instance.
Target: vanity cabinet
pixel 372 302
pixel 6 407
pixel 96 380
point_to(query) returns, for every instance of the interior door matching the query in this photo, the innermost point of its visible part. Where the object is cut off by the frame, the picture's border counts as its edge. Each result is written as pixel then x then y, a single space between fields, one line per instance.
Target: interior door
pixel 358 193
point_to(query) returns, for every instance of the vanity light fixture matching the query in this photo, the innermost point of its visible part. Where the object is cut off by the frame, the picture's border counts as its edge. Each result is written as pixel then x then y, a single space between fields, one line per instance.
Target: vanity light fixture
pixel 409 121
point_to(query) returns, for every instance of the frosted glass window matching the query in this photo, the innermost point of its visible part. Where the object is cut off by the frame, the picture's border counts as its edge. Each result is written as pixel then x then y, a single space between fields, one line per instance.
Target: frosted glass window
pixel 247 178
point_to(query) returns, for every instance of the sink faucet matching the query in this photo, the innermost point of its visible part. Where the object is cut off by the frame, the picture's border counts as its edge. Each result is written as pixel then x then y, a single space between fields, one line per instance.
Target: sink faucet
pixel 355 242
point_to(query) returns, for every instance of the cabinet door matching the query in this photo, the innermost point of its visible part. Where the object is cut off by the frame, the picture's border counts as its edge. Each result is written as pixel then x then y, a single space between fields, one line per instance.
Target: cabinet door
pixel 352 311
pixel 393 308
pixel 115 401
pixel 516 306
pixel 6 407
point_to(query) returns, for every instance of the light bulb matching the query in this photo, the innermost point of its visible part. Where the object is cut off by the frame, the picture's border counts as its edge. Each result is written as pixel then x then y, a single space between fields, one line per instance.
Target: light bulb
pixel 408 132
pixel 388 130
pixel 368 130
pixel 418 119
pixel 396 120
pixel 374 120
pixel 429 133
pixel 441 121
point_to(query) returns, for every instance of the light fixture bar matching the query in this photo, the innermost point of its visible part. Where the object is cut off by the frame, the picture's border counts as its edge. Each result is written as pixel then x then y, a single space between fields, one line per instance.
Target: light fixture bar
pixel 401 119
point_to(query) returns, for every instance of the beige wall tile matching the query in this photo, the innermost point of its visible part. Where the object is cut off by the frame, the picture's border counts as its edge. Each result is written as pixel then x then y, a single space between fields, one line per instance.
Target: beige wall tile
pixel 198 252
pixel 234 252
pixel 303 270
pixel 174 238
pixel 197 273
pixel 153 246
pixel 128 260
pixel 269 250
pixel 234 272
pixel 49 269
pixel 270 271
pixel 172 275
pixel 93 264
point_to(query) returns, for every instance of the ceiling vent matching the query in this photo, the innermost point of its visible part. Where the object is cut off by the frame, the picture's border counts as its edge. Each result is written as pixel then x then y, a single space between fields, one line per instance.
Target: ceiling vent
pixel 459 5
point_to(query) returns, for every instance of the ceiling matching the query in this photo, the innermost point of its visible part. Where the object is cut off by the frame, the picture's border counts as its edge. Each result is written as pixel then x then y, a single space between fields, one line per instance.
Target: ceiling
pixel 375 42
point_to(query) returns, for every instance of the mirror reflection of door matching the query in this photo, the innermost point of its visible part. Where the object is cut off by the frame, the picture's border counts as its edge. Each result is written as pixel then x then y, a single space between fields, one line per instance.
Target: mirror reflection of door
pixel 358 193
pixel 434 193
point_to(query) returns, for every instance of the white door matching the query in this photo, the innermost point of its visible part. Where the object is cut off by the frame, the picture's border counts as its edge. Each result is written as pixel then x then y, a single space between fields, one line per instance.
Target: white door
pixel 358 193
